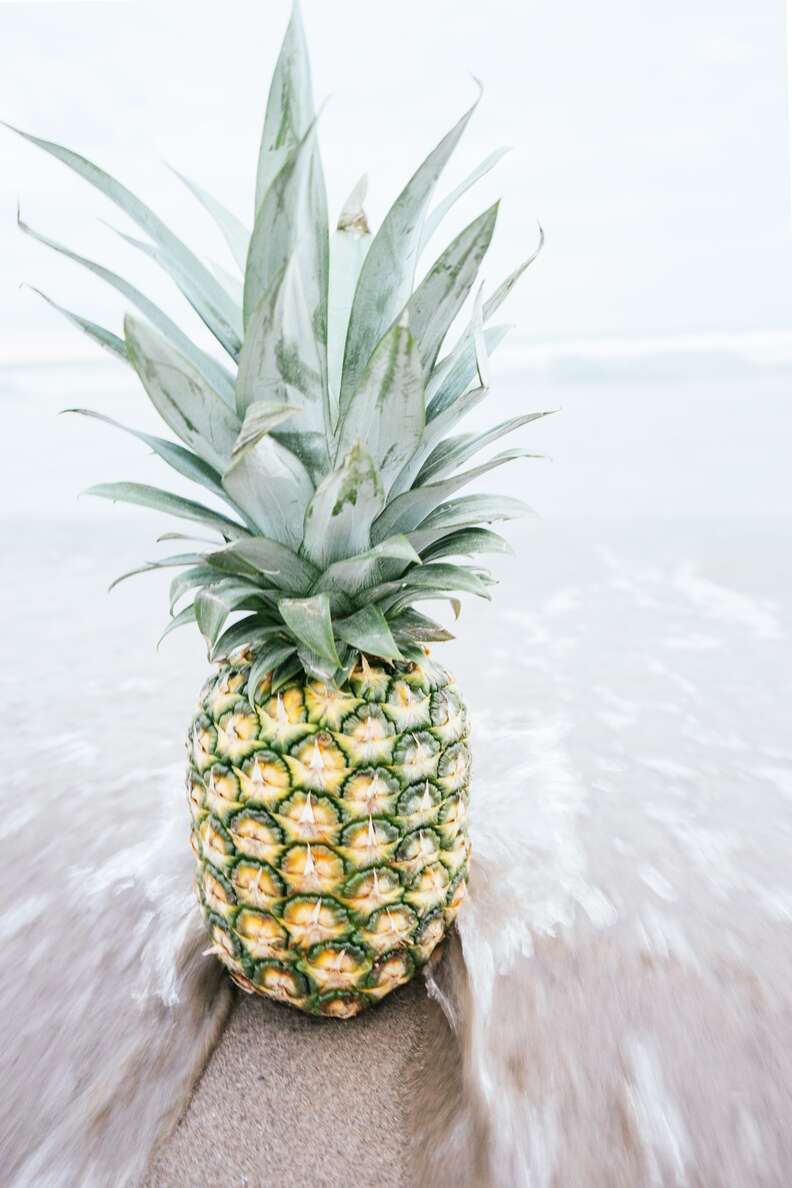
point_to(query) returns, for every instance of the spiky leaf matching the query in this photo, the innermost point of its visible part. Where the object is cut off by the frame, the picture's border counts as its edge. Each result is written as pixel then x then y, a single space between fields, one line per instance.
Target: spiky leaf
pixel 105 338
pixel 453 376
pixel 387 411
pixel 273 488
pixel 466 512
pixel 281 361
pixel 410 509
pixel 290 105
pixel 339 517
pixel 233 229
pixel 310 622
pixel 356 573
pixel 218 311
pixel 454 451
pixel 368 631
pixel 258 555
pixel 187 464
pixel 165 501
pixel 291 224
pixel 465 543
pixel 182 397
pixel 261 418
pixel 213 604
pixel 386 277
pixel 442 293
pixel 419 628
pixel 437 215
pixel 348 247
pixel 215 374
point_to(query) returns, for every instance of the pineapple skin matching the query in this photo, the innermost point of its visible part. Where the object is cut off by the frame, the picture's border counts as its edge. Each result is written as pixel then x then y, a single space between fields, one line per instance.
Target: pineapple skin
pixel 329 827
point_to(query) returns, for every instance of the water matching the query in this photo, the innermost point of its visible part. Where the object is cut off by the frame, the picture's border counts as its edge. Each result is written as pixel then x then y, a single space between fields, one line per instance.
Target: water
pixel 618 998
pixel 107 1008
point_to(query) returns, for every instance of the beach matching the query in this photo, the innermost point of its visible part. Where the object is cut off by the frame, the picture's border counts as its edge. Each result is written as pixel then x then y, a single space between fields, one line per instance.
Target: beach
pixel 622 966
pixel 289 1099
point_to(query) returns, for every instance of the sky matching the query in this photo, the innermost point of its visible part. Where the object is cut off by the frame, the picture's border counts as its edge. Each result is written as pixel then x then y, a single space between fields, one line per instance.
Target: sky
pixel 650 142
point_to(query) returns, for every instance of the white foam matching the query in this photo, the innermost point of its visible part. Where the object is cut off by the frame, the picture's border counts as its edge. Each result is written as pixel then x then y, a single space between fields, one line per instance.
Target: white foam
pixel 727 605
pixel 663 1137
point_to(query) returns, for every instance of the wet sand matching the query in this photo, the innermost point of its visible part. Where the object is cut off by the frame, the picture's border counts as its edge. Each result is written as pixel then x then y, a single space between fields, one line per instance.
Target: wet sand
pixel 287 1099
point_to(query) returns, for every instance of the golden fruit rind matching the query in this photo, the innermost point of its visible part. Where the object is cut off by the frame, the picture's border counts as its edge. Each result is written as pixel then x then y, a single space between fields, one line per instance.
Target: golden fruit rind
pixel 331 844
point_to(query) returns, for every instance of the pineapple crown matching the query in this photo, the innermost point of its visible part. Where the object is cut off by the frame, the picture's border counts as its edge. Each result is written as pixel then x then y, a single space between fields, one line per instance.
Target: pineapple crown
pixel 328 438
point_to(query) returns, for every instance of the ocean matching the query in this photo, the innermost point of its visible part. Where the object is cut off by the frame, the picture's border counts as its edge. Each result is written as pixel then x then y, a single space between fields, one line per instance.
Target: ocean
pixel 618 997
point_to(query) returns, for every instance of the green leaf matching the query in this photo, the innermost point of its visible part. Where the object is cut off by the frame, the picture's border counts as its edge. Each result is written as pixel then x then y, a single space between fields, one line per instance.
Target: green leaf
pixel 310 448
pixel 368 631
pixel 453 376
pixel 411 651
pixel 503 290
pixel 106 338
pixel 386 277
pixel 339 517
pixel 466 512
pixel 232 284
pixel 443 291
pixel 186 285
pixel 163 563
pixel 273 488
pixel 258 555
pixel 310 622
pixel 250 631
pixel 387 411
pixel 409 510
pixel 249 596
pixel 438 428
pixel 316 667
pixel 290 105
pixel 291 225
pixel 284 673
pixel 218 312
pixel 465 543
pixel 392 596
pixel 434 434
pixel 437 575
pixel 215 375
pixel 434 220
pixel 480 352
pixel 181 620
pixel 411 624
pixel 181 396
pixel 348 247
pixel 267 660
pixel 261 418
pixel 281 360
pixel 213 605
pixel 212 540
pixel 165 501
pixel 233 230
pixel 199 575
pixel 183 461
pixel 455 450
pixel 355 573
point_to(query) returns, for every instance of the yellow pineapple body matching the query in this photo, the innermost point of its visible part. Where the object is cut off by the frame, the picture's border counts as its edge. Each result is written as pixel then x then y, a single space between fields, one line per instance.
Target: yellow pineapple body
pixel 330 829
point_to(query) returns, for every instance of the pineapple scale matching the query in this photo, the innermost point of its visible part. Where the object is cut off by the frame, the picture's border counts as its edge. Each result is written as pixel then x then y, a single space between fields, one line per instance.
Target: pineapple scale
pixel 329 827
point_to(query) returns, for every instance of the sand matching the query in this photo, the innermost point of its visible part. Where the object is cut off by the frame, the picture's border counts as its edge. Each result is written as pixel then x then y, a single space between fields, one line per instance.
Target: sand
pixel 289 1100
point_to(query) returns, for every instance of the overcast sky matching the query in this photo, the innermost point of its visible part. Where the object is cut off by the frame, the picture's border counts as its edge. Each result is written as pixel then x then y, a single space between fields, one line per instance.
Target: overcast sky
pixel 650 140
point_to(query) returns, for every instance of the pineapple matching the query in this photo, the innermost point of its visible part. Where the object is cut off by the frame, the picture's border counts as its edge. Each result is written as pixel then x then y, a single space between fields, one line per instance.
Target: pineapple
pixel 328 764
